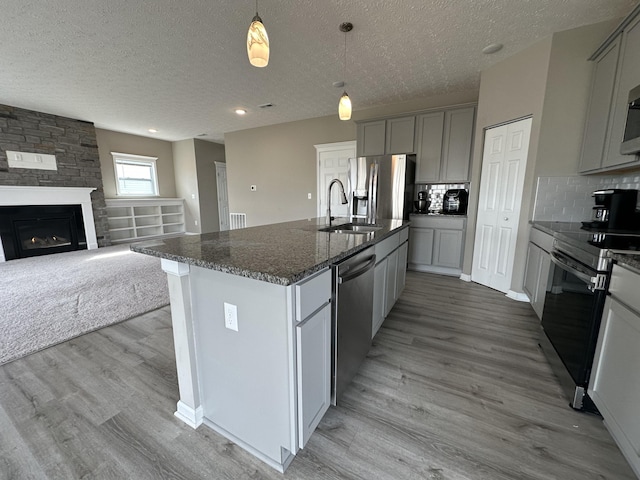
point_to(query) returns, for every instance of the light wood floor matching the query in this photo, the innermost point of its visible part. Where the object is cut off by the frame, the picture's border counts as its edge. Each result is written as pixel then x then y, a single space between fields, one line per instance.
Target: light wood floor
pixel 454 388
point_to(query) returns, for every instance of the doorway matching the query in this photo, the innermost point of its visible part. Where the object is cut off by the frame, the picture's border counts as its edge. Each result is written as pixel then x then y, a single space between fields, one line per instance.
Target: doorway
pixel 223 196
pixel 504 162
pixel 333 162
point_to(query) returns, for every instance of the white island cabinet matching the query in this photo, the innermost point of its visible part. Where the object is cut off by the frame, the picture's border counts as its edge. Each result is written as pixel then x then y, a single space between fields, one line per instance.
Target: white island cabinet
pixel 614 385
pixel 265 385
pixel 252 318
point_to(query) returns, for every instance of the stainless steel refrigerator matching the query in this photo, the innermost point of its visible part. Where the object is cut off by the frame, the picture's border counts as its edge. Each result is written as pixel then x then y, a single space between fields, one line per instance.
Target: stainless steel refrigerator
pixel 381 187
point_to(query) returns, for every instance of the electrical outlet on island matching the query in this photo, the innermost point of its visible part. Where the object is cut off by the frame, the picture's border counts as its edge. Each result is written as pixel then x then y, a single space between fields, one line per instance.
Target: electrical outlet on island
pixel 231 316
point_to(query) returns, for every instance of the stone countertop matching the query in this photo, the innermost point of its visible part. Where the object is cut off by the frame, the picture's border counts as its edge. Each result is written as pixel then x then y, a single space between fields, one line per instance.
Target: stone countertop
pixel 439 214
pixel 624 260
pixel 558 227
pixel 280 253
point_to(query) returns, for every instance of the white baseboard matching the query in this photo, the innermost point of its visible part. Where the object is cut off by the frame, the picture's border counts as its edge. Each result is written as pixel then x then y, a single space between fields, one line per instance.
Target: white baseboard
pixel 188 415
pixel 518 296
pixel 465 278
pixel 454 272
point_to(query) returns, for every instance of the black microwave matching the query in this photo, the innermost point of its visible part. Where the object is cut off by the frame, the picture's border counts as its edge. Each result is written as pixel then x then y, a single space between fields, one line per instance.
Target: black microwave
pixel 631 140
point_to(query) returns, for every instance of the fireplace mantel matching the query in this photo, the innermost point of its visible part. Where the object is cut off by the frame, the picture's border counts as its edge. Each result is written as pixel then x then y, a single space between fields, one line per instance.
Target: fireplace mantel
pixel 11 195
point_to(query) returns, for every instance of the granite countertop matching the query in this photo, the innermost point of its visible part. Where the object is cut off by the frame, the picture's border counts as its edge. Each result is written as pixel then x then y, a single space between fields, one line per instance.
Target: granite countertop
pixel 439 214
pixel 281 253
pixel 631 261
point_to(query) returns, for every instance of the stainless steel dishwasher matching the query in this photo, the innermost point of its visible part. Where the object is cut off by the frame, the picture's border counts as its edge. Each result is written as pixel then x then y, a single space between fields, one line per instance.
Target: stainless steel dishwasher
pixel 352 316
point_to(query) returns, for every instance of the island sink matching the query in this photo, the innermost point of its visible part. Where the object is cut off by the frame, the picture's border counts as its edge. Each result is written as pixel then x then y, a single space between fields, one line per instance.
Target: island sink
pixel 351 228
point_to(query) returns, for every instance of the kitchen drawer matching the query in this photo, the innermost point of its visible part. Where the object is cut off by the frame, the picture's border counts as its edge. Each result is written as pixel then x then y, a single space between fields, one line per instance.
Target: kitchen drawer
pixel 386 246
pixel 541 239
pixel 624 286
pixel 312 293
pixel 437 221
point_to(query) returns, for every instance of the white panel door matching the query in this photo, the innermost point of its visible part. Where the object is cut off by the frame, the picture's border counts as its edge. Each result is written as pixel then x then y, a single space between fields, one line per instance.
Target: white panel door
pixel 503 166
pixel 223 196
pixel 333 162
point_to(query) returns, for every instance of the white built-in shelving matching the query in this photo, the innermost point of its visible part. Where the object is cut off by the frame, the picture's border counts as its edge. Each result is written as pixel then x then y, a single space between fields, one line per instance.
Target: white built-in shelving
pixel 137 219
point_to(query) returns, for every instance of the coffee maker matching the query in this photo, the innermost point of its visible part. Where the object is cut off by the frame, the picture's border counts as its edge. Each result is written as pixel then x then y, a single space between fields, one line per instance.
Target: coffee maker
pixel 615 209
pixel 455 201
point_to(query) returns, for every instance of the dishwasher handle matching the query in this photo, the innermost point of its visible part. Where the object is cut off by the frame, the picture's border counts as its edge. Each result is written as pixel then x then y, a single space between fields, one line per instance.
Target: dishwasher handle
pixel 358 271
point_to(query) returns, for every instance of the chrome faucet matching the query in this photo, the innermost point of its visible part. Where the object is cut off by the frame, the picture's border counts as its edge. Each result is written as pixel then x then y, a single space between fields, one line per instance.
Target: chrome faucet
pixel 343 198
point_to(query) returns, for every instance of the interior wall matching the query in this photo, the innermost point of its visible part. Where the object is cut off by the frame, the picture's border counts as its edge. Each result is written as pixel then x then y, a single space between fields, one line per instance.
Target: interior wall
pixel 186 181
pixel 110 141
pixel 509 90
pixel 281 159
pixel 206 154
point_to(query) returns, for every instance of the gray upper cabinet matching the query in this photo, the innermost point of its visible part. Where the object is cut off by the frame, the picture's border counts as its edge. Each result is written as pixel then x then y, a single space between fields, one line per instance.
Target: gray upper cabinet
pixel 628 78
pixel 380 137
pixel 429 146
pixel 400 135
pixel 371 138
pixel 597 126
pixel 617 71
pixel 457 139
pixel 444 142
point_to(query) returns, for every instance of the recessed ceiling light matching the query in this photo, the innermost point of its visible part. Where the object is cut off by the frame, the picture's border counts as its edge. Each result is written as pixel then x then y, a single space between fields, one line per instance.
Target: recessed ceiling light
pixel 153 130
pixel 241 111
pixel 492 48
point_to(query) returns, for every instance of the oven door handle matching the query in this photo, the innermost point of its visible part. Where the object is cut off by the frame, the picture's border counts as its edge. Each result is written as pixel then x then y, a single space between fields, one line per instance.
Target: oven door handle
pixel 562 262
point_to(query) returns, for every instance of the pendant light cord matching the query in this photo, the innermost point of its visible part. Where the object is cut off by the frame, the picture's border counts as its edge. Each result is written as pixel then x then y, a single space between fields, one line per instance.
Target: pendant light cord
pixel 344 73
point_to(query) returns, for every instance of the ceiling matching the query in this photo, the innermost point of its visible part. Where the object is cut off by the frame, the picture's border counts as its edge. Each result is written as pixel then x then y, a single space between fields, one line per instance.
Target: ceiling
pixel 181 66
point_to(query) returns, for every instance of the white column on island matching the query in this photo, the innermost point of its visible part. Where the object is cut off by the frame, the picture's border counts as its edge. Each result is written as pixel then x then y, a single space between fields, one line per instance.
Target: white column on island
pixel 189 406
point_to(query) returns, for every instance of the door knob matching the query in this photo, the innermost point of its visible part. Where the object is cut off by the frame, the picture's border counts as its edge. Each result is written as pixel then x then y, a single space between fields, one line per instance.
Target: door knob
pixel 506 219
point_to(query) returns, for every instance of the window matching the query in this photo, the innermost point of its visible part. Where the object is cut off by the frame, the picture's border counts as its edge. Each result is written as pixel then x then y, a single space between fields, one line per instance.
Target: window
pixel 135 175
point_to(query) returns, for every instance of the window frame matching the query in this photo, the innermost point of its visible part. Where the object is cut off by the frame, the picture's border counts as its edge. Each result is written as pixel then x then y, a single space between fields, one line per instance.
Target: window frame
pixel 140 160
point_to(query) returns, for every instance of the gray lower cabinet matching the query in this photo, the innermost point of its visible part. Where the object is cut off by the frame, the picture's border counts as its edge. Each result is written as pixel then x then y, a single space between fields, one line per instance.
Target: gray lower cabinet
pixel 389 275
pixel 614 385
pixel 443 145
pixel 536 275
pixel 436 244
pixel 616 72
pixel 313 338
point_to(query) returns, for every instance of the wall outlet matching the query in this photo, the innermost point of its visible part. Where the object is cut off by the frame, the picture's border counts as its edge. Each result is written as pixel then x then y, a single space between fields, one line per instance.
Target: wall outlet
pixel 309 196
pixel 254 188
pixel 196 222
pixel 231 316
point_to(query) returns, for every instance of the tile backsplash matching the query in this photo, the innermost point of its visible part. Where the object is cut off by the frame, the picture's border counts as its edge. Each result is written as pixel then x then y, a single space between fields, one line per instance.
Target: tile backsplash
pixel 568 199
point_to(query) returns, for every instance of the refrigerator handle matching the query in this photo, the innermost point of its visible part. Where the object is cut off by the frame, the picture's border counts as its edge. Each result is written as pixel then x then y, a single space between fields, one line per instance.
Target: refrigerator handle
pixel 372 194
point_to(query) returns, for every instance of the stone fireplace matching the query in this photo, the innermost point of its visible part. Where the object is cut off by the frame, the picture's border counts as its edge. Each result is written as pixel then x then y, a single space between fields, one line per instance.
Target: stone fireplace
pixel 71 190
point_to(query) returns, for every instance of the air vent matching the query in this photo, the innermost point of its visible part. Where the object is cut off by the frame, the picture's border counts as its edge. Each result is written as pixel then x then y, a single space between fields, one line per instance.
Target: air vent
pixel 266 105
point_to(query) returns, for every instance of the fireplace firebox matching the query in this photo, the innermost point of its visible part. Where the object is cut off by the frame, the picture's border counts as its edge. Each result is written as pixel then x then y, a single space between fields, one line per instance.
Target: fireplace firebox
pixel 32 230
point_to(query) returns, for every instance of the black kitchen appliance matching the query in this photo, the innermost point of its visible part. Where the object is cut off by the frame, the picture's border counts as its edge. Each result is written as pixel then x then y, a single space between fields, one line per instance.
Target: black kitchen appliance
pixel 423 202
pixel 455 201
pixel 574 301
pixel 631 140
pixel 615 209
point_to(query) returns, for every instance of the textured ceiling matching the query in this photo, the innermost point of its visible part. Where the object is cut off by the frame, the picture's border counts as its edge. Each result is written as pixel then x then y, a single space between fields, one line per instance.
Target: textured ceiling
pixel 181 66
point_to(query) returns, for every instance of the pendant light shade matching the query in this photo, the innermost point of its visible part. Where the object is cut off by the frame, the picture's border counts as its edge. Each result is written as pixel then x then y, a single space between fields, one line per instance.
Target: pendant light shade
pixel 344 107
pixel 258 42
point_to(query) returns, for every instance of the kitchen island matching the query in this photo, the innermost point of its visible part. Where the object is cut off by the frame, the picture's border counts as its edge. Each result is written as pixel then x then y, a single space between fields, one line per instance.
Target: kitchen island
pixel 251 315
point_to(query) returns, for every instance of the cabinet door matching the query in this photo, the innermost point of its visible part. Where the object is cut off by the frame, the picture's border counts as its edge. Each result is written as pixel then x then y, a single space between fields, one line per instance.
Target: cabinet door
pixel 420 245
pixel 457 140
pixel 400 135
pixel 615 379
pixel 401 273
pixel 598 115
pixel 430 127
pixel 390 293
pixel 628 78
pixel 447 248
pixel 371 137
pixel 379 294
pixel 532 272
pixel 313 337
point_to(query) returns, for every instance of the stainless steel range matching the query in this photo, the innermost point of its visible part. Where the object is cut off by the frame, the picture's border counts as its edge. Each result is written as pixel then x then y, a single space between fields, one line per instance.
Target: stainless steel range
pixel 578 283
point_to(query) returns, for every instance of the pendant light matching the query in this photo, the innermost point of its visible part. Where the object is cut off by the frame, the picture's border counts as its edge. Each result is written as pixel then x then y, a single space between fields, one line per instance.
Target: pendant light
pixel 344 106
pixel 258 42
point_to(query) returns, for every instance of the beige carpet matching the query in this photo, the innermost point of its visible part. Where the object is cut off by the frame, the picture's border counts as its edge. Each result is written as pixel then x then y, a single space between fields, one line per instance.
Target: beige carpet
pixel 49 299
